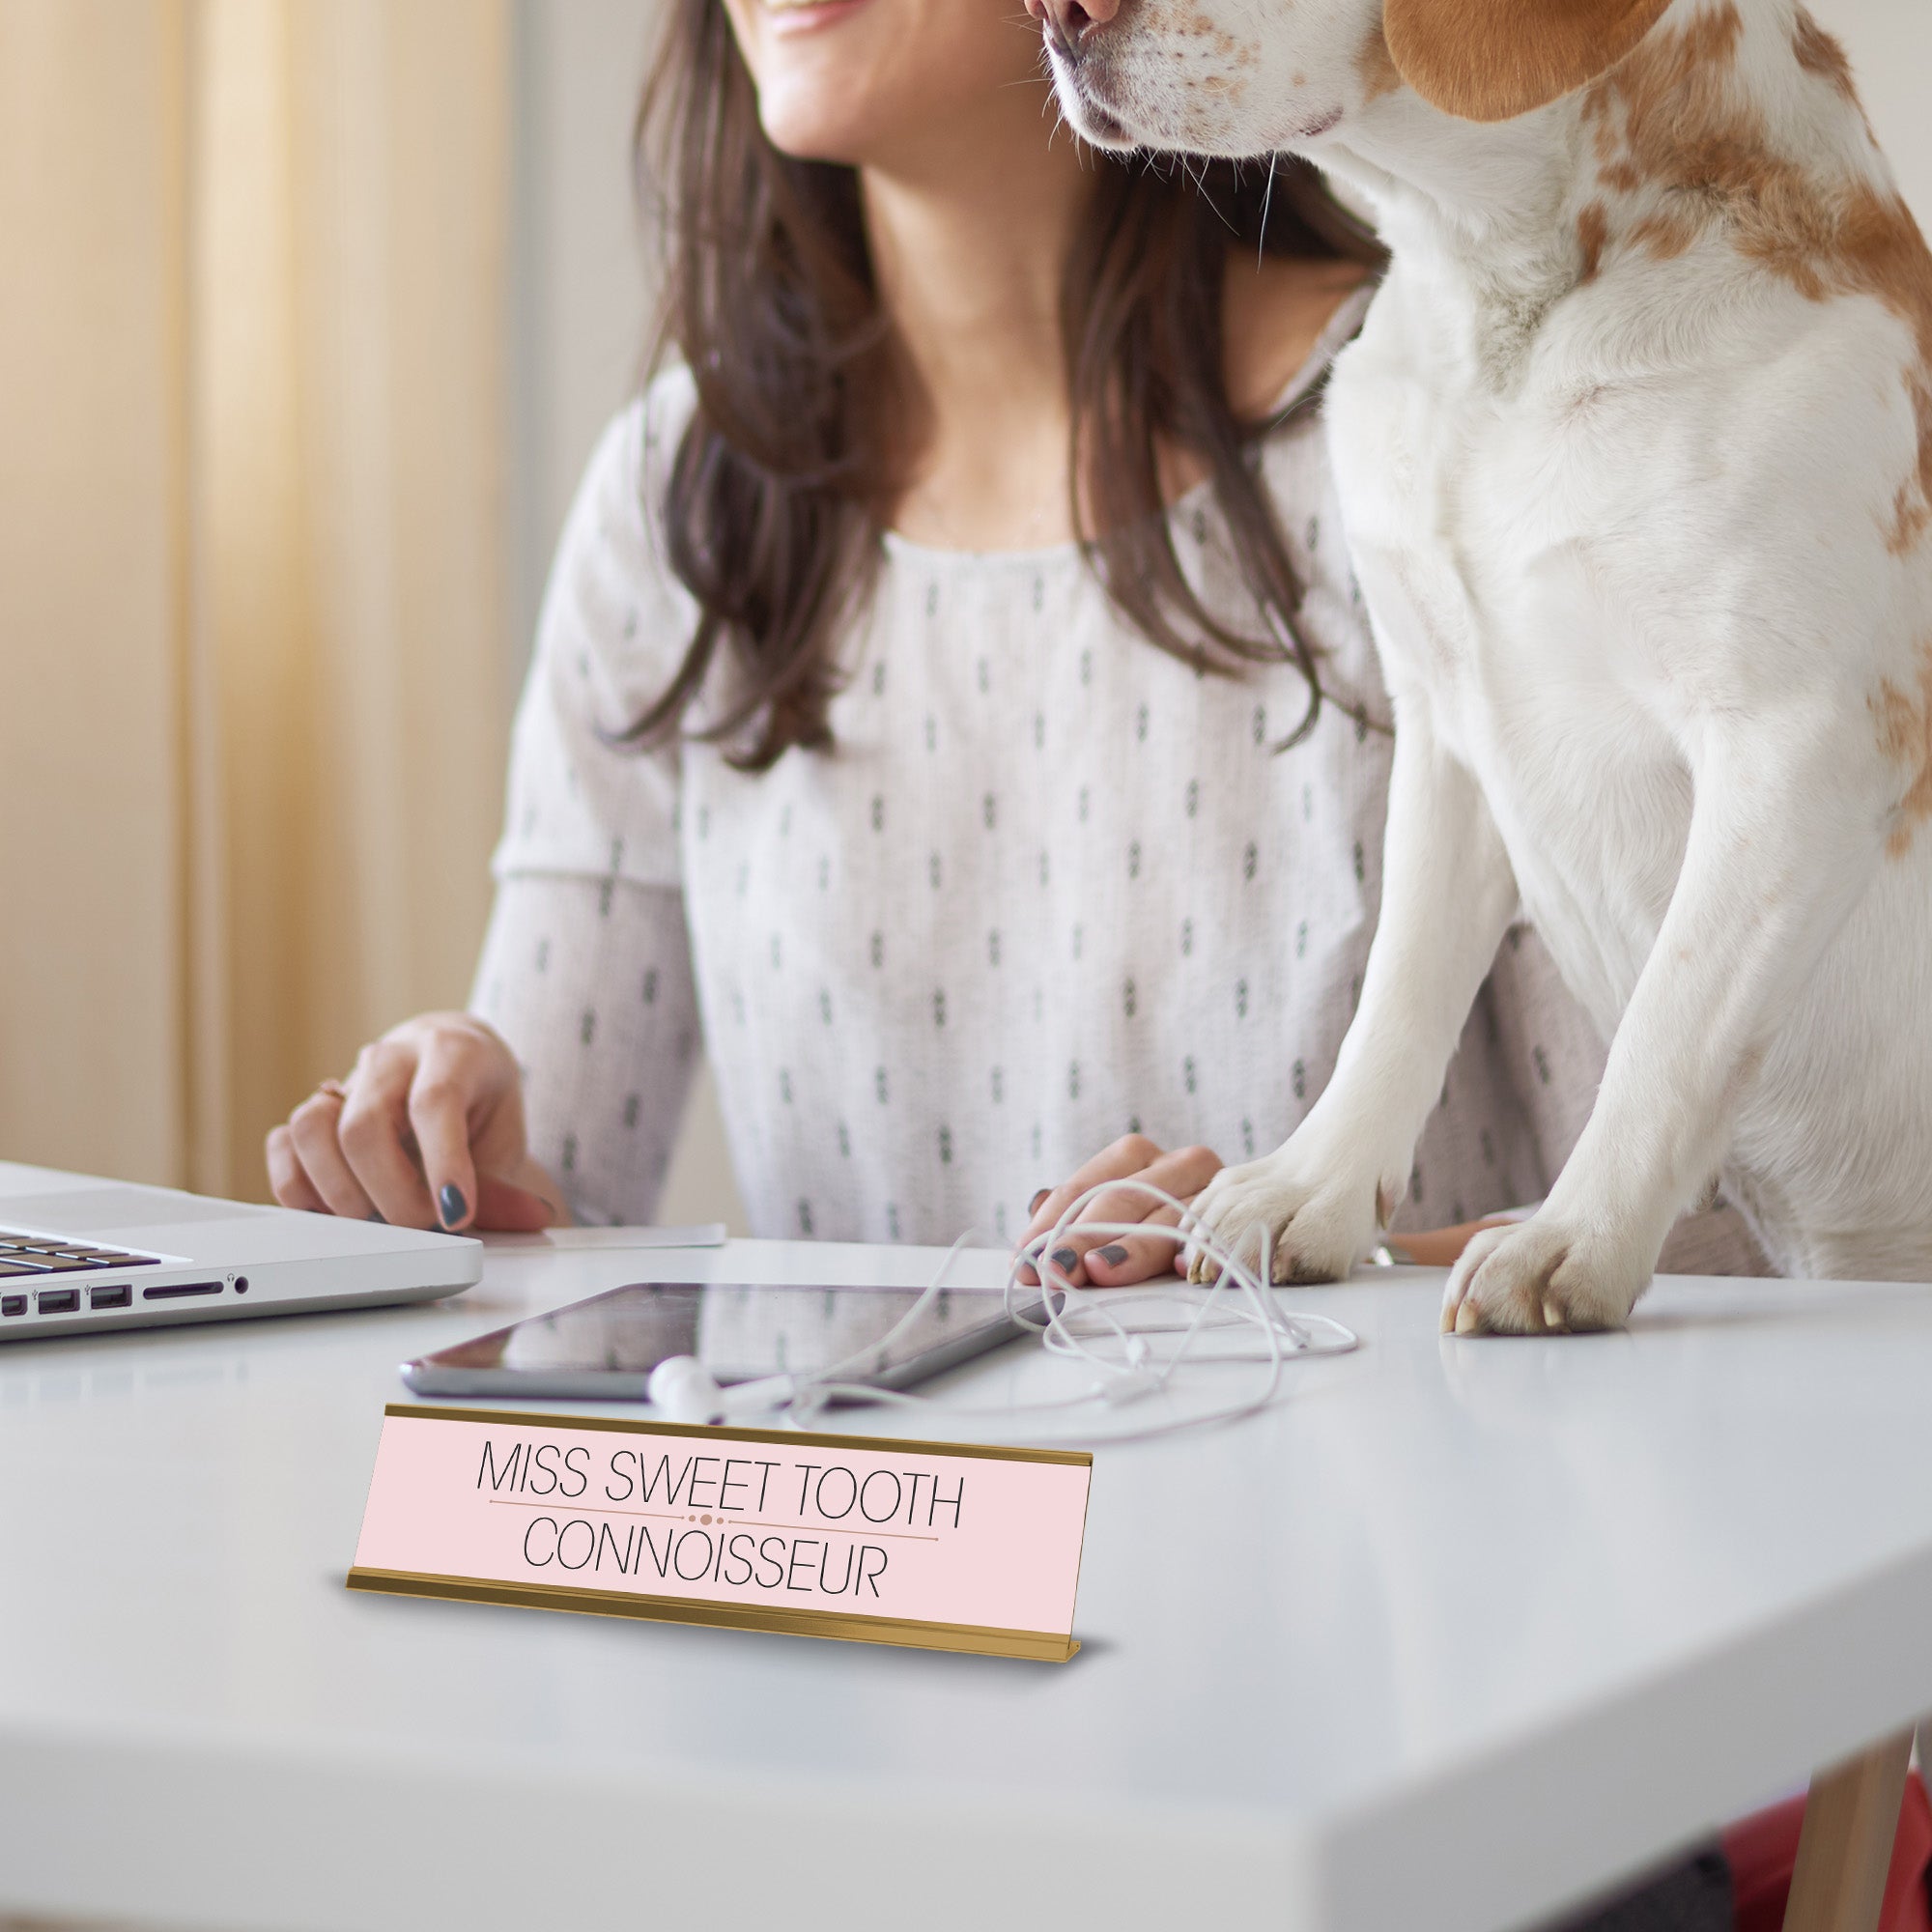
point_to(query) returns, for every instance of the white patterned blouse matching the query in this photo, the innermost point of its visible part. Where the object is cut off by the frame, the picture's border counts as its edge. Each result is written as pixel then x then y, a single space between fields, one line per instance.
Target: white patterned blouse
pixel 1049 887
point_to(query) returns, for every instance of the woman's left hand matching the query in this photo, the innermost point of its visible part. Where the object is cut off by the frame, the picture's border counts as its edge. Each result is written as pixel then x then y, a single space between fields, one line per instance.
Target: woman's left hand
pixel 1119 1260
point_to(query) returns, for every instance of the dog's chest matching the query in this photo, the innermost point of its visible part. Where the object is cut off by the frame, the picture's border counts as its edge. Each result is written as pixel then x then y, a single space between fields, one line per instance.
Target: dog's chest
pixel 1492 530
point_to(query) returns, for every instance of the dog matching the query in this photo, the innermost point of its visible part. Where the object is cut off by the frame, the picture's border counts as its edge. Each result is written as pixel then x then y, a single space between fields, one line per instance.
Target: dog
pixel 1635 450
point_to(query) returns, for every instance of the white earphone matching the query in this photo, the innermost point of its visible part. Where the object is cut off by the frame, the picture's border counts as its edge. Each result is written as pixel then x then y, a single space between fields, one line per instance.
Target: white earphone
pixel 687 1392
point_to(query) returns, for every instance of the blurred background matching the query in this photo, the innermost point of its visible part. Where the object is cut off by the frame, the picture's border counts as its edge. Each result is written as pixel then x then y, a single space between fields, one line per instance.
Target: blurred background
pixel 313 310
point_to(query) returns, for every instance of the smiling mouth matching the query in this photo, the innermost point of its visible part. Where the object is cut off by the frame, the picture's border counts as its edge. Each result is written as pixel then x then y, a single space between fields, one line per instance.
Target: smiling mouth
pixel 792 16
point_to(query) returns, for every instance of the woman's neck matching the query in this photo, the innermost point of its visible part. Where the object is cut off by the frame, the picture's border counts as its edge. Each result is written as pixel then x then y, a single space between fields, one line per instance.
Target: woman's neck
pixel 970 251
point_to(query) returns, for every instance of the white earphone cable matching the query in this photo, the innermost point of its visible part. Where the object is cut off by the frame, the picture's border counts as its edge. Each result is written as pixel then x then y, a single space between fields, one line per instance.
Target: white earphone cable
pixel 684 1389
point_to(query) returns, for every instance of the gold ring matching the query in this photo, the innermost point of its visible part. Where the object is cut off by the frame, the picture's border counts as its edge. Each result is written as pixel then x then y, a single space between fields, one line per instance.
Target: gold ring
pixel 335 1088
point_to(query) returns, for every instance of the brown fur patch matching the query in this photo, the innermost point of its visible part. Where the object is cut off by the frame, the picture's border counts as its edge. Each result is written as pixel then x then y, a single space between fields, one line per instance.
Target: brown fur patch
pixel 1911 507
pixel 1492 60
pixel 1376 68
pixel 1671 104
pixel 1819 53
pixel 1664 237
pixel 1670 120
pixel 1904 737
pixel 1593 229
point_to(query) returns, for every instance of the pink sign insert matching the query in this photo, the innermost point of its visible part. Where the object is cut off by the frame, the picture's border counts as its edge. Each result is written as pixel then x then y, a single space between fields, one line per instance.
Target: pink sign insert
pixel 946 1545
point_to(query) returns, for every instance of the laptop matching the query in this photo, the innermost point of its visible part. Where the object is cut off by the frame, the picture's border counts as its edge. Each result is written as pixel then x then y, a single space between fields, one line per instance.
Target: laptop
pixel 79 1254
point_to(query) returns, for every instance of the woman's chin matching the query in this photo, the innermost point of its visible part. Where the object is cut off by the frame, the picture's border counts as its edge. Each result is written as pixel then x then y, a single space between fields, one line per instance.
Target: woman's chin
pixel 810 126
pixel 815 136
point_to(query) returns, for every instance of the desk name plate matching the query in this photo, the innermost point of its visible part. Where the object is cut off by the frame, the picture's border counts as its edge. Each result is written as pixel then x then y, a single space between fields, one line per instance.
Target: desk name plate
pixel 941 1546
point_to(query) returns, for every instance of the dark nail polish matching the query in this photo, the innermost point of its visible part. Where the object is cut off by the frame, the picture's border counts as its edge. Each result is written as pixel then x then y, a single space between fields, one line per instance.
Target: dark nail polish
pixel 1033 1206
pixel 1066 1260
pixel 451 1203
pixel 1113 1254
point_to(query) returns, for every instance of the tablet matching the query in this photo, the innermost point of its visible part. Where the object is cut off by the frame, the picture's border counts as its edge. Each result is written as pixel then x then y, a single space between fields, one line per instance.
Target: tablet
pixel 608 1346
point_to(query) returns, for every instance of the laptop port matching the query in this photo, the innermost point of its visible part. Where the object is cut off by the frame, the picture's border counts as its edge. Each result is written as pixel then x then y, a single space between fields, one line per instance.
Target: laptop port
pixel 110 1297
pixel 12 1304
pixel 173 1290
pixel 58 1300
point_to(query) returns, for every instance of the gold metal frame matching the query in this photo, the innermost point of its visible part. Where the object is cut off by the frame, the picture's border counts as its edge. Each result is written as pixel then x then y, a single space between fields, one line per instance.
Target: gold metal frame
pixel 1039 1646
pixel 624 1424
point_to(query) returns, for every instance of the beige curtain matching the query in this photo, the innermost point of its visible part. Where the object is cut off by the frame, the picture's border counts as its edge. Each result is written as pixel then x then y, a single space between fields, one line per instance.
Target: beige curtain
pixel 252 588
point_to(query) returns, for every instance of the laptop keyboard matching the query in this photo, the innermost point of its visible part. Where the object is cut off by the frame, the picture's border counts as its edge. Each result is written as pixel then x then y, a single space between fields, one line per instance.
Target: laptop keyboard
pixel 25 1255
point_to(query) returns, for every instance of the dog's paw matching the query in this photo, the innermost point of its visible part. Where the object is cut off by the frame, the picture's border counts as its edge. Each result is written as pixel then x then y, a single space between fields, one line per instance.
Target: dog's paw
pixel 1540 1277
pixel 1317 1228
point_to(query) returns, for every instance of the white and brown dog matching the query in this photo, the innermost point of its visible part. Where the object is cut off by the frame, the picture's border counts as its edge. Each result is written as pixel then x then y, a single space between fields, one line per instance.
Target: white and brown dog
pixel 1635 453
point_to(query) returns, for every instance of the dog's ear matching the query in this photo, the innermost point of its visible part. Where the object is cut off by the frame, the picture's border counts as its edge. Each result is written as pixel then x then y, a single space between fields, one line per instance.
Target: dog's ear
pixel 1489 60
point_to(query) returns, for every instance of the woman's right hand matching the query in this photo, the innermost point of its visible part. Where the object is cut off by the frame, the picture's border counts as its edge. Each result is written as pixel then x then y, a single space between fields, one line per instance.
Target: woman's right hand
pixel 427 1132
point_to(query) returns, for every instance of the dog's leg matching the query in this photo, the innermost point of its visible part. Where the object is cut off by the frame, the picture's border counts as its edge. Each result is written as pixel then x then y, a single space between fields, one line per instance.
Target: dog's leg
pixel 1448 895
pixel 1785 835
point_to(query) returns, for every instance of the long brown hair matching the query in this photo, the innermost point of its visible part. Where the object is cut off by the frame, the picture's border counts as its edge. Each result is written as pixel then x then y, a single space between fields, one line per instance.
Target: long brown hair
pixel 794 455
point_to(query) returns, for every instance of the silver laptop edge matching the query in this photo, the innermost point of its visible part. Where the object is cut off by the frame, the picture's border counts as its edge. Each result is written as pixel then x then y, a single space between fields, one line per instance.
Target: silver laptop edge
pixel 214 1260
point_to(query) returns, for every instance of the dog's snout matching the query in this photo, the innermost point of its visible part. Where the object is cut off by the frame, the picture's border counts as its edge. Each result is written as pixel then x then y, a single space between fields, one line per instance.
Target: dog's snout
pixel 1071 23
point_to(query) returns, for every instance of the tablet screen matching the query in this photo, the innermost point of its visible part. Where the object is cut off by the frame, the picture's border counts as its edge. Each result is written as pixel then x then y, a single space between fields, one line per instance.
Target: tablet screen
pixel 609 1345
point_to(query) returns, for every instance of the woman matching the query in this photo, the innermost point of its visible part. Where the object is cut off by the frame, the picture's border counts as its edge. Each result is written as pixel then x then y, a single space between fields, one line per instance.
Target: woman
pixel 953 704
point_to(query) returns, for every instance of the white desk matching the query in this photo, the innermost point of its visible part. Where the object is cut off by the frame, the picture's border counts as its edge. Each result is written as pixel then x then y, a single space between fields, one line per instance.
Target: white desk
pixel 1456 1634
